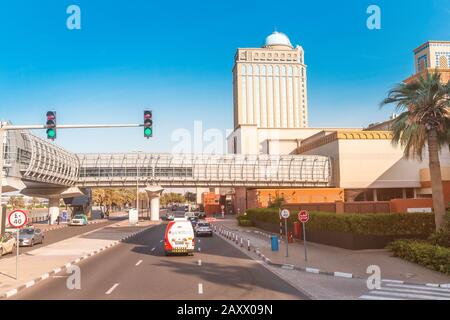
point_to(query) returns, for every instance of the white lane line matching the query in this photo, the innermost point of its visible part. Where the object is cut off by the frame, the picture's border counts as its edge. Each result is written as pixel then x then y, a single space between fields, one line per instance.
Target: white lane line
pixel 200 288
pixel 199 249
pixel 112 289
pixel 160 241
pixel 153 249
pixel 139 262
pixel 199 240
pixel 199 262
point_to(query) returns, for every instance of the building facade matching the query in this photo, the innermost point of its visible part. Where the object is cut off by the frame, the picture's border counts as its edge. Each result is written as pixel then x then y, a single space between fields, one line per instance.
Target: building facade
pixel 269 85
pixel 366 165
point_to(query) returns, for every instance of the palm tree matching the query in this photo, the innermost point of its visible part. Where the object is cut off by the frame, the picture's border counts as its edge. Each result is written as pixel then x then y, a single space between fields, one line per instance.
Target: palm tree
pixel 423 106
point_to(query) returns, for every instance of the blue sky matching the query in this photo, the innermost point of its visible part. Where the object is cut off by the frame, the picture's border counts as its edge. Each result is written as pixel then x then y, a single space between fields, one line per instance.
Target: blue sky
pixel 175 57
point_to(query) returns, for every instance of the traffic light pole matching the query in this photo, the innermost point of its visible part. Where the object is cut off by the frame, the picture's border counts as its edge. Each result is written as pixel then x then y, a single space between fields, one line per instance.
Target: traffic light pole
pixel 4 128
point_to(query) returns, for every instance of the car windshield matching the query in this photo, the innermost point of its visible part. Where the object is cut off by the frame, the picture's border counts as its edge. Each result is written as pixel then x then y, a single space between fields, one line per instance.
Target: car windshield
pixel 203 224
pixel 26 231
pixel 78 217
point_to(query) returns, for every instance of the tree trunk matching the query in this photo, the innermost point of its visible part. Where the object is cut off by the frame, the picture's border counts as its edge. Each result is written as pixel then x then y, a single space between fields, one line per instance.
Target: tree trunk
pixel 436 180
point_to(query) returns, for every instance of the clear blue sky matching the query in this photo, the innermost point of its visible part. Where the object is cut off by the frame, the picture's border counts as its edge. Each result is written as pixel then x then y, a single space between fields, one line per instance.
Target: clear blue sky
pixel 175 57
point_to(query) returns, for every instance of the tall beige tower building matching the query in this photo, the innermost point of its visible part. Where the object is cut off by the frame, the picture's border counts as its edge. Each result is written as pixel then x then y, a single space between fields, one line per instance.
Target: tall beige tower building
pixel 269 85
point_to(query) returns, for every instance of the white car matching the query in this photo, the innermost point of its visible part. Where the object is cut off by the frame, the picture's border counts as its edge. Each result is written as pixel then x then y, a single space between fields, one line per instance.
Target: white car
pixel 79 220
pixel 7 243
pixel 179 237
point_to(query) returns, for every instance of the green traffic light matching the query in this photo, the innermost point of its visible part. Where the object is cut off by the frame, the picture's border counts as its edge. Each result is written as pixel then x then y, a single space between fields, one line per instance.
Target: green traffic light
pixel 51 133
pixel 148 132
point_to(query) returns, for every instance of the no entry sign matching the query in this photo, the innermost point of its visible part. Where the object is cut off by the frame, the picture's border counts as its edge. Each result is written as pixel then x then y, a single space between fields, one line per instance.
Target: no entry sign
pixel 303 216
pixel 17 218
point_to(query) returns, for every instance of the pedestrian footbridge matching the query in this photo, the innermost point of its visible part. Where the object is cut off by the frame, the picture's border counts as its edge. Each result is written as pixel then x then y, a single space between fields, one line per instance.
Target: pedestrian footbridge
pixel 36 167
pixel 34 164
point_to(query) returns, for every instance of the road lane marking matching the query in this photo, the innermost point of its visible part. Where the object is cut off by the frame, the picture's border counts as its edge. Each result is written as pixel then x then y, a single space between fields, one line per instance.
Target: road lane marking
pixel 160 241
pixel 139 262
pixel 153 249
pixel 199 249
pixel 200 288
pixel 112 289
pixel 199 262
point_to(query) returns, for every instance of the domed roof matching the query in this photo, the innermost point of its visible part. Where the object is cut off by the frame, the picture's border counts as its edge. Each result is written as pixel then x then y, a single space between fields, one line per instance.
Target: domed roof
pixel 277 39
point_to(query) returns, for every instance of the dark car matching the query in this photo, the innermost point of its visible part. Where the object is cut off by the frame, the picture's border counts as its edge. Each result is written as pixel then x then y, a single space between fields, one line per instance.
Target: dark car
pixel 193 220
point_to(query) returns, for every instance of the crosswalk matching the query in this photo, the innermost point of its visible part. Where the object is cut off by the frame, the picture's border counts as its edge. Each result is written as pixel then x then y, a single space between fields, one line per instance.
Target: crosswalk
pixel 400 291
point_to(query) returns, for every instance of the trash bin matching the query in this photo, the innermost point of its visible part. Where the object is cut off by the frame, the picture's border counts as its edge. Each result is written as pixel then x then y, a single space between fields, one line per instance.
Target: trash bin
pixel 274 240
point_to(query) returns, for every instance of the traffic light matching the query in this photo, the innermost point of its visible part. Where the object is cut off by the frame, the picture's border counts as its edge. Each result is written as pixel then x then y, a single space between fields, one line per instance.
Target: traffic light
pixel 148 124
pixel 51 125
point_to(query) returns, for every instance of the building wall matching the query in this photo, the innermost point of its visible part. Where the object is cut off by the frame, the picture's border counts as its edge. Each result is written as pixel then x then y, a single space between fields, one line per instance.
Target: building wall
pixel 361 160
pixel 260 198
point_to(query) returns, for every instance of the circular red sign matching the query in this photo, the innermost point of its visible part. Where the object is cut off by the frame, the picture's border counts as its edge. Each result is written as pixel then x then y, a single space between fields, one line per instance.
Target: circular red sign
pixel 17 218
pixel 303 216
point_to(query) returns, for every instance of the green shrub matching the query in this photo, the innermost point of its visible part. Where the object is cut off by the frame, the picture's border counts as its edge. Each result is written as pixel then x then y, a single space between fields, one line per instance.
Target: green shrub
pixel 365 224
pixel 441 237
pixel 245 223
pixel 424 253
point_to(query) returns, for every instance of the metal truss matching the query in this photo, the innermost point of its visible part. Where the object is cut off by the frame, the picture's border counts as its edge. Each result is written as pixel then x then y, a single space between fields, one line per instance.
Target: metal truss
pixel 230 170
pixel 37 160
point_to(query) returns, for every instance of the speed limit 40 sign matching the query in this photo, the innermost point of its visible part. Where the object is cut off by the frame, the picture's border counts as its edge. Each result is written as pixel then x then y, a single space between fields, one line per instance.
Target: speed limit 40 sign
pixel 17 218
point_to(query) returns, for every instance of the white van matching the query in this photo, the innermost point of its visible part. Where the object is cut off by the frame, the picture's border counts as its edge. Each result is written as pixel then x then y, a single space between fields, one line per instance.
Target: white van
pixel 179 237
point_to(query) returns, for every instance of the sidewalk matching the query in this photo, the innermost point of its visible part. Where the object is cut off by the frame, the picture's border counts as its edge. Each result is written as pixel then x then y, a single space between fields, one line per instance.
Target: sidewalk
pixel 333 260
pixel 41 263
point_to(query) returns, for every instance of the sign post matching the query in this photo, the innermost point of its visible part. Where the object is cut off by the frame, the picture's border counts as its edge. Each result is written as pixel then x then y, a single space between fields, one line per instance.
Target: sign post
pixel 222 207
pixel 17 219
pixel 285 215
pixel 303 217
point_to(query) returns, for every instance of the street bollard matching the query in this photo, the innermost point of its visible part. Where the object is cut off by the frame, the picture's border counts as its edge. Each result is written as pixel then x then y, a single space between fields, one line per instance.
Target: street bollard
pixel 248 244
pixel 242 242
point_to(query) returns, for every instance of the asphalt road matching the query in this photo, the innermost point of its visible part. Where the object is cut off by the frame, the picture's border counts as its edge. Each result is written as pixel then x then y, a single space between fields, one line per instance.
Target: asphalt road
pixel 64 233
pixel 138 269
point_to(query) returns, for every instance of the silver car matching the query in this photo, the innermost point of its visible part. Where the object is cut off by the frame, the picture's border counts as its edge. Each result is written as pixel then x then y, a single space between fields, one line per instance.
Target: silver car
pixel 203 229
pixel 28 237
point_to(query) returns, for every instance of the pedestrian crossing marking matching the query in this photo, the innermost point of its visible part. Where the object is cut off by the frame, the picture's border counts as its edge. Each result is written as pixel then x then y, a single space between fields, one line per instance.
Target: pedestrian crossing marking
pixel 394 291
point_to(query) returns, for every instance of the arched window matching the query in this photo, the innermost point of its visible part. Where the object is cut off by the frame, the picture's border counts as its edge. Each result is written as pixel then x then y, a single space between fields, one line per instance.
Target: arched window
pixel 263 70
pixel 243 70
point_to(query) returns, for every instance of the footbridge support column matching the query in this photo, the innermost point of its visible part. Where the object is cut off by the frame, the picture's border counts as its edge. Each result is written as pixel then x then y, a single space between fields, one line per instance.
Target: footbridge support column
pixel 53 209
pixel 154 193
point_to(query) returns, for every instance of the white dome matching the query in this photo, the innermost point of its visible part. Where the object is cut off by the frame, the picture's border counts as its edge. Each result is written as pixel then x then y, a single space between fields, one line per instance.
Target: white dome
pixel 277 39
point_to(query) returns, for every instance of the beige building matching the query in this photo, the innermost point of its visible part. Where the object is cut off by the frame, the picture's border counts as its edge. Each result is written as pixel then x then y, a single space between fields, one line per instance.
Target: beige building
pixel 366 165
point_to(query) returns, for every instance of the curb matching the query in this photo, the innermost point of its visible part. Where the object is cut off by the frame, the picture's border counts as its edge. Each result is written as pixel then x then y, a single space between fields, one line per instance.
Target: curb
pixel 44 276
pixel 66 225
pixel 337 274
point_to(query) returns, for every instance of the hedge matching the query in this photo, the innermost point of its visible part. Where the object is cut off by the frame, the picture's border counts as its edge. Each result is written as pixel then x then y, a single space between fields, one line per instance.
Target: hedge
pixel 245 223
pixel 423 253
pixel 365 224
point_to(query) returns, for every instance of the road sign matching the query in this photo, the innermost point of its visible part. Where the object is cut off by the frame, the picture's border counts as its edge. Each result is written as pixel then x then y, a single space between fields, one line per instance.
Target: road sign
pixel 303 216
pixel 285 213
pixel 17 218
